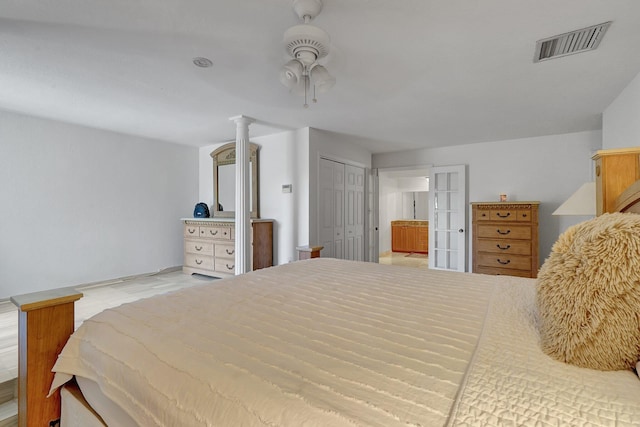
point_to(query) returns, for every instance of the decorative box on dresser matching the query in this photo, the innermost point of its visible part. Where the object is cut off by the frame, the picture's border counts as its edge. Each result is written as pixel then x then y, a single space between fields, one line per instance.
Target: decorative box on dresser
pixel 505 238
pixel 209 245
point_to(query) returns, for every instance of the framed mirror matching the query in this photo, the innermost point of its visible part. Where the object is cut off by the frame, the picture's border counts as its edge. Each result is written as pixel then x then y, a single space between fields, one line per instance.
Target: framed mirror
pixel 224 181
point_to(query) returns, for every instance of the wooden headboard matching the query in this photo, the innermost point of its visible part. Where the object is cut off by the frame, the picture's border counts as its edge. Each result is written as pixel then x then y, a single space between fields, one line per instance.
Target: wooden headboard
pixel 629 199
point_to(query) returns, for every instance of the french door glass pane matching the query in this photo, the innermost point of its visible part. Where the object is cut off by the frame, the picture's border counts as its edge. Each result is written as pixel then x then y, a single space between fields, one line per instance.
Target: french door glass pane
pixel 441 259
pixel 453 257
pixel 453 181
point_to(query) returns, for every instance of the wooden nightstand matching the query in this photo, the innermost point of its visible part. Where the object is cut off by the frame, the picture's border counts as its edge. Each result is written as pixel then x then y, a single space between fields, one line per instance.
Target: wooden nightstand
pixel 307 252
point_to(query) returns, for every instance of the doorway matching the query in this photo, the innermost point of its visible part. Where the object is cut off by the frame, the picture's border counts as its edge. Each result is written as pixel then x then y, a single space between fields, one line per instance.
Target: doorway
pixel 403 196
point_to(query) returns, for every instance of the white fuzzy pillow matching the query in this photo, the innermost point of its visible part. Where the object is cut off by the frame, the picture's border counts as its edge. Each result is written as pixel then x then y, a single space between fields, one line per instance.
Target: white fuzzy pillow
pixel 588 294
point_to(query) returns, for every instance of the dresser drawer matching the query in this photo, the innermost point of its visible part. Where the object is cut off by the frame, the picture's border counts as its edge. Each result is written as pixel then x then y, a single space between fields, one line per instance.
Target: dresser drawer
pixel 504 231
pixel 191 231
pixel 503 215
pixel 503 272
pixel 524 215
pixel 198 247
pixel 509 262
pixel 203 262
pixel 225 265
pixel 225 251
pixel 504 246
pixel 217 233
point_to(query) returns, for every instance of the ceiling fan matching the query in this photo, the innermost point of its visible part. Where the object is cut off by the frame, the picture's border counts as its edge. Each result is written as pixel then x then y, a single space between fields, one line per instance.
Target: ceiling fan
pixel 306 44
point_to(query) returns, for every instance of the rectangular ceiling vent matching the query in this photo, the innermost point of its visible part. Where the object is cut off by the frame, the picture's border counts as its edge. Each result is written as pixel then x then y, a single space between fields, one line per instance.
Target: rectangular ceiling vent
pixel 569 43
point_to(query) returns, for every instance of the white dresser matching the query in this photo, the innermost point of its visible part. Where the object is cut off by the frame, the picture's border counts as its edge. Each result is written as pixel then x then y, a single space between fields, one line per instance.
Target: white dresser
pixel 209 245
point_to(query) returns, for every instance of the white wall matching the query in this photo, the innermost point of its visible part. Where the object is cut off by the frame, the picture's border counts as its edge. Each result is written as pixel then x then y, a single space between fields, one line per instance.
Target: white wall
pixel 548 169
pixel 283 159
pixel 621 119
pixel 81 205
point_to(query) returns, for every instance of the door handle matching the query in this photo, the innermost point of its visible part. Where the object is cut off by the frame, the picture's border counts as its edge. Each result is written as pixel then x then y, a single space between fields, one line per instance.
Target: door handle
pixel 460 230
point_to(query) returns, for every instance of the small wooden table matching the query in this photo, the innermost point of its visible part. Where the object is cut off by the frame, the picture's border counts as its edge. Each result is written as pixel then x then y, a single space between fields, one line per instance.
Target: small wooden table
pixel 307 252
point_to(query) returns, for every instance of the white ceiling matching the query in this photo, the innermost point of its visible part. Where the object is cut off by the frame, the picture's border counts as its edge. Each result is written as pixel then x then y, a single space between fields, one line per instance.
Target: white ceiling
pixel 418 73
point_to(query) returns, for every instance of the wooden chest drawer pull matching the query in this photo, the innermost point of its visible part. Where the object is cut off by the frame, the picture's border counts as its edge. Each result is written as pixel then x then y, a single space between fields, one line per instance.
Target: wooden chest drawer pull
pixel 524 215
pixel 230 267
pixel 229 252
pixel 198 248
pixel 503 248
pixel 504 262
pixel 213 233
pixel 484 214
pixel 225 233
pixel 503 216
pixel 190 231
pixel 199 261
pixel 504 233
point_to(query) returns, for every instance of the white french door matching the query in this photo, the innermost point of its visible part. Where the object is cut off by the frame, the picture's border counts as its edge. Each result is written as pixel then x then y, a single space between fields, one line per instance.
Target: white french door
pixel 371 226
pixel 447 218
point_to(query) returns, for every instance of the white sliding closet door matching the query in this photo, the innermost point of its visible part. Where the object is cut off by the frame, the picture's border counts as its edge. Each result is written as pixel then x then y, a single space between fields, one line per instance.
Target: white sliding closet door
pixel 341 210
pixel 331 209
pixel 354 213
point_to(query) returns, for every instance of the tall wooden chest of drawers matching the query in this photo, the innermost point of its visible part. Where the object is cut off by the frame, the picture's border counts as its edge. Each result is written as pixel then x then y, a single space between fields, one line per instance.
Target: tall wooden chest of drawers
pixel 505 238
pixel 209 246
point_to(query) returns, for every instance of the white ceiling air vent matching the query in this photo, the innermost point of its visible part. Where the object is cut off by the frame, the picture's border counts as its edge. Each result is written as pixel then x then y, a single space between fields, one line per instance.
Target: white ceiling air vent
pixel 569 43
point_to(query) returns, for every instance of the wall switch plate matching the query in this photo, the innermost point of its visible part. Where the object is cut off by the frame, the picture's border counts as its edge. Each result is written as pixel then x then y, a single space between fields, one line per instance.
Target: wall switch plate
pixel 287 188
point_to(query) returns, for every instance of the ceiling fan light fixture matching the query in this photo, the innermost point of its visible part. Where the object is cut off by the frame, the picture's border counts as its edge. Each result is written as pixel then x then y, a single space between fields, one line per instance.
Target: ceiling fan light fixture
pixel 306 44
pixel 291 73
pixel 322 80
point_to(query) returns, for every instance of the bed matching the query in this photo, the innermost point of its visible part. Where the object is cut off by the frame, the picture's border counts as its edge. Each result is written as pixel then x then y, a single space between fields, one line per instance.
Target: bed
pixel 326 342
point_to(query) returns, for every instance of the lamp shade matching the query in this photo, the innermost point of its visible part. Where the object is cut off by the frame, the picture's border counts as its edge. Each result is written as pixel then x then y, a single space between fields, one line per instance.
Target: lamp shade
pixel 582 202
pixel 322 80
pixel 291 73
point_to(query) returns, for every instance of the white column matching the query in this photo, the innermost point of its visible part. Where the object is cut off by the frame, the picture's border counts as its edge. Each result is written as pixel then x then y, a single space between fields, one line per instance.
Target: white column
pixel 243 192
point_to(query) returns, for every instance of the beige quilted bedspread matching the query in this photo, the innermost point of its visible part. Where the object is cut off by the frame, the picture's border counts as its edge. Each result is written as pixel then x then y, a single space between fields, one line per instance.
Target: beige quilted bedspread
pixel 312 343
pixel 337 343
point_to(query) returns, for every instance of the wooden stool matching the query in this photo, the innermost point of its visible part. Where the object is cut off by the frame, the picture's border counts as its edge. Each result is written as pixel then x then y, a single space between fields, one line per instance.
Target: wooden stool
pixel 306 252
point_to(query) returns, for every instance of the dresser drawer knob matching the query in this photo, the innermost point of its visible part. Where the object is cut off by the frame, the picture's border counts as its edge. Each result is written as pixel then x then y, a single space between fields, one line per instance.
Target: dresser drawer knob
pixel 230 267
pixel 504 262
pixel 199 261
pixel 504 233
pixel 229 252
pixel 504 216
pixel 524 215
pixel 191 231
pixel 213 233
pixel 503 248
pixel 198 248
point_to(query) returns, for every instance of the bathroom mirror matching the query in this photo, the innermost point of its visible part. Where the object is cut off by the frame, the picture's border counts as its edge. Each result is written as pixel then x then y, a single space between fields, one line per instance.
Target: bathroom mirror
pixel 224 181
pixel 415 205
